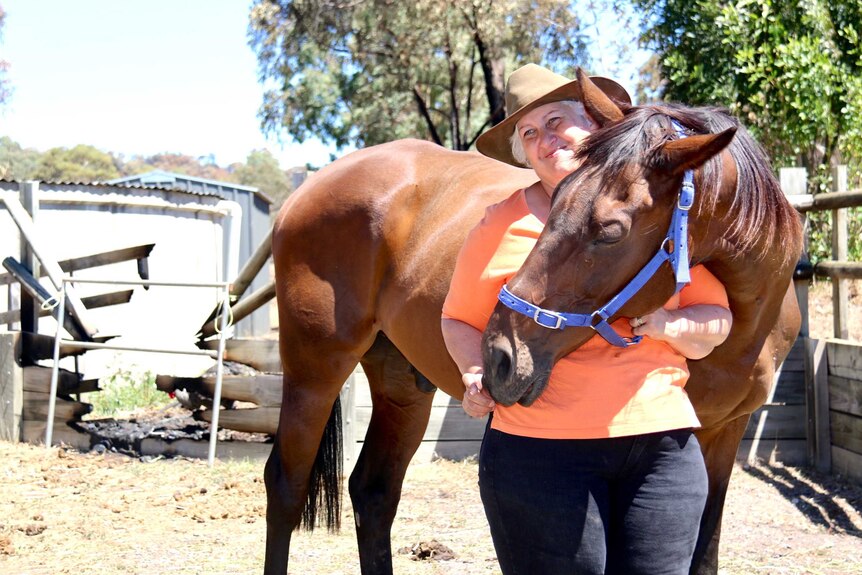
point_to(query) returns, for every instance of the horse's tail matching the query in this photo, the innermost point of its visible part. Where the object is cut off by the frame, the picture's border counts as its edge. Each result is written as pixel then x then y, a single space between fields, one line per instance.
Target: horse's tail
pixel 324 488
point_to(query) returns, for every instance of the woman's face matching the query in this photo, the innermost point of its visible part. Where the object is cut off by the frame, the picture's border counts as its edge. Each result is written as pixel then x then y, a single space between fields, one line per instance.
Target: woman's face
pixel 551 135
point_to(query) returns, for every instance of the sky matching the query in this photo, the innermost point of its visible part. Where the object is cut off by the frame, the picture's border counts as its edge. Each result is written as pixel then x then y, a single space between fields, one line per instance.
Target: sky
pixel 141 77
pixel 137 77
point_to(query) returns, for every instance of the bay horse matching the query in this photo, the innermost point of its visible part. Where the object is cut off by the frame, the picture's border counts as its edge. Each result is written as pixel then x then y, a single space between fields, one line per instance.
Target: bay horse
pixel 364 252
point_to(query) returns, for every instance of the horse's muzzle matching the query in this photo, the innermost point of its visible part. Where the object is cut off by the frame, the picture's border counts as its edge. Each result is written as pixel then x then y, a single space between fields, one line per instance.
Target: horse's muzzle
pixel 509 374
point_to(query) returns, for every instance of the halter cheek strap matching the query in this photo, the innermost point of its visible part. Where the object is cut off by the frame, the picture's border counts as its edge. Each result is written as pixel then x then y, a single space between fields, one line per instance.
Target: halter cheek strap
pixel 674 249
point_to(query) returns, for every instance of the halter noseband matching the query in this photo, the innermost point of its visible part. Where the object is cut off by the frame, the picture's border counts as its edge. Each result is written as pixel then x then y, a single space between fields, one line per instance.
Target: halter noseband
pixel 676 239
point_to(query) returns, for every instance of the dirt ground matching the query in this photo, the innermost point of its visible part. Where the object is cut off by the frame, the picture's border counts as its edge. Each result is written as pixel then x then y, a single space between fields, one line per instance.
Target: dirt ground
pixel 103 514
pixel 82 514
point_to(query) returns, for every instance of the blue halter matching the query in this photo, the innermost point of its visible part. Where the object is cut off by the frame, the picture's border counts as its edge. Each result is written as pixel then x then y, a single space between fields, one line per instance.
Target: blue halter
pixel 677 236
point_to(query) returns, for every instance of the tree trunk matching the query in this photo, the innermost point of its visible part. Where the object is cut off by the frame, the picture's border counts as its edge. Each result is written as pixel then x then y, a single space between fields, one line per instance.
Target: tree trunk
pixel 494 71
pixel 423 111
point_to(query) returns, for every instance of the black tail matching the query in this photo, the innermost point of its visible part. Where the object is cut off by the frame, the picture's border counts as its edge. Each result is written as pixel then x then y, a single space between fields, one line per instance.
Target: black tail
pixel 324 488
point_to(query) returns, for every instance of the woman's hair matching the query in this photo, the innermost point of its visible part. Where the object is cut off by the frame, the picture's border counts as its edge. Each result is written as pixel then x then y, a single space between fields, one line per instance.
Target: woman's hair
pixel 515 140
pixel 518 148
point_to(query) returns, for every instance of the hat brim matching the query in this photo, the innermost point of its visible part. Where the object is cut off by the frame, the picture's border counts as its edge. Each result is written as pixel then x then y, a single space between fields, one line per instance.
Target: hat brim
pixel 495 143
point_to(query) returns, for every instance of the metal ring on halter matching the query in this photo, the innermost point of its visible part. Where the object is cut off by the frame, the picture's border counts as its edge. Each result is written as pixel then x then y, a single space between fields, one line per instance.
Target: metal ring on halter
pixel 667 245
pixel 639 321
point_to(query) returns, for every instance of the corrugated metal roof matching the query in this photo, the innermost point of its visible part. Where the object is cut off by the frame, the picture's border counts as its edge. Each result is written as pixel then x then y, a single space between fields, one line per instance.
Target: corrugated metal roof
pixel 13 185
pixel 153 178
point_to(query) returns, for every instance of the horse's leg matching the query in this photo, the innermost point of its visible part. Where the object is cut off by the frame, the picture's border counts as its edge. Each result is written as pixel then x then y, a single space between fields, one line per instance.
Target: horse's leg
pixel 398 421
pixel 719 446
pixel 306 452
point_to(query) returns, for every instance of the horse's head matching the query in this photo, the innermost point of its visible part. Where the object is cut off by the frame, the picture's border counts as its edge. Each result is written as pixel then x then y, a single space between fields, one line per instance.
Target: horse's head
pixel 607 220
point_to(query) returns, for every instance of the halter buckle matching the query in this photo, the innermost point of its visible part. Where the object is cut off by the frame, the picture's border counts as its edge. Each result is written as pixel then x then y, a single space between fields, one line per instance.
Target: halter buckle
pixel 686 195
pixel 543 313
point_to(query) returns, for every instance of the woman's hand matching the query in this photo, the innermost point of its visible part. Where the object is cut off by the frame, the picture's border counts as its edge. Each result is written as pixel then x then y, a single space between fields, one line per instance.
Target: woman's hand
pixel 693 331
pixel 477 401
pixel 464 344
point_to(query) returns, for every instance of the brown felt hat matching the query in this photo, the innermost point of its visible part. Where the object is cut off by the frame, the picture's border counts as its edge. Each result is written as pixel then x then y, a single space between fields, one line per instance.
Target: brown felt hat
pixel 529 87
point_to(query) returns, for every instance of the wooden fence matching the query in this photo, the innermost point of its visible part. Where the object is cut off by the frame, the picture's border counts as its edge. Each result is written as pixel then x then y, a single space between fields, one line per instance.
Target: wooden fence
pixel 836 408
pixel 832 399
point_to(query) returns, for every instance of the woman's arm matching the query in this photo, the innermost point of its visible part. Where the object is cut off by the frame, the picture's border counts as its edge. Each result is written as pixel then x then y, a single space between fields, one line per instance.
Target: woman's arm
pixel 464 343
pixel 693 331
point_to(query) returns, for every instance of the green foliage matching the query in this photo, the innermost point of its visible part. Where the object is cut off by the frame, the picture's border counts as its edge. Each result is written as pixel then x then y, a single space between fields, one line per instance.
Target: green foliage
pixel 820 225
pixel 369 71
pixel 17 163
pixel 791 70
pixel 79 164
pixel 126 389
pixel 261 170
pixel 820 235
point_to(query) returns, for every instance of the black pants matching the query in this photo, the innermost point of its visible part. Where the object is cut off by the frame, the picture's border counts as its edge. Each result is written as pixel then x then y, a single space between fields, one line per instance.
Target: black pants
pixel 621 506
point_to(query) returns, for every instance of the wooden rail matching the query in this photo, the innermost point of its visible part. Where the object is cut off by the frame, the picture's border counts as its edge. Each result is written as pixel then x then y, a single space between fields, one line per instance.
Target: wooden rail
pixel 828 201
pixel 94 260
pixel 839 270
pixel 90 302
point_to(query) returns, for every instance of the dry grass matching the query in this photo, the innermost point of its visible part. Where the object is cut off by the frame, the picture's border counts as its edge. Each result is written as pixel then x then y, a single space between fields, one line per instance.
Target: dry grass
pixel 820 315
pixel 64 512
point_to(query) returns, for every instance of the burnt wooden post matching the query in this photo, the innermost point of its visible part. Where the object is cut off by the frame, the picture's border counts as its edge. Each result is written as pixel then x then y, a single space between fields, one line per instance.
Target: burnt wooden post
pixel 29 197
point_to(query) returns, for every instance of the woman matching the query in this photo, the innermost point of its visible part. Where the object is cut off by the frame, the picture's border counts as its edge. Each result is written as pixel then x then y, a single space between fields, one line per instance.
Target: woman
pixel 601 474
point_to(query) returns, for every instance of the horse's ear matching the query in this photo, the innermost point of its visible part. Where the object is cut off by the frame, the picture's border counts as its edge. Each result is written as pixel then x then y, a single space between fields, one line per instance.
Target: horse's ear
pixel 692 152
pixel 598 104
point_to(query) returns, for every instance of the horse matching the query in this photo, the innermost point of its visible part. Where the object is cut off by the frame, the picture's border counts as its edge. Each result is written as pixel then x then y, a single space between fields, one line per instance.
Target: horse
pixel 609 218
pixel 364 252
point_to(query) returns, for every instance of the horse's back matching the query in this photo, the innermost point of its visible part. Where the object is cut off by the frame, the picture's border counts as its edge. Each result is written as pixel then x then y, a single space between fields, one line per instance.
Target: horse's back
pixel 370 241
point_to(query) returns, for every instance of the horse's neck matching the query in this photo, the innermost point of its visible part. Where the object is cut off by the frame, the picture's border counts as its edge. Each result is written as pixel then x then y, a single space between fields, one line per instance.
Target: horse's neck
pixel 756 281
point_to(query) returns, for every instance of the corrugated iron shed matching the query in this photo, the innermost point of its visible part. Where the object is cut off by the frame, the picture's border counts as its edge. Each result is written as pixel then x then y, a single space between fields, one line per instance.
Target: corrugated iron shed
pixel 255 222
pixel 255 219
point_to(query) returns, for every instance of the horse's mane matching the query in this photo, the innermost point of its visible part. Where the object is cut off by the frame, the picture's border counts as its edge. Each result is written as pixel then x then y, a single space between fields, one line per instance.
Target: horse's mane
pixel 758 215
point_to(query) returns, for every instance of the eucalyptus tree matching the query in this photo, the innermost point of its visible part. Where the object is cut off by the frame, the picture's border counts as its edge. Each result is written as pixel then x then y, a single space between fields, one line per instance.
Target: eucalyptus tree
pixel 81 164
pixel 17 162
pixel 361 72
pixel 261 169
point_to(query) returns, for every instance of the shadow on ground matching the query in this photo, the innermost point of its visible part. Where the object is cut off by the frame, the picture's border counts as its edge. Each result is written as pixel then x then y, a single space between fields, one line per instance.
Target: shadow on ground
pixel 823 499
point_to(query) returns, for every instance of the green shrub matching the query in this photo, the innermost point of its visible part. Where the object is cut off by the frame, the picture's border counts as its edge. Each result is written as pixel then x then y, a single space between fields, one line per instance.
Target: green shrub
pixel 126 389
pixel 820 222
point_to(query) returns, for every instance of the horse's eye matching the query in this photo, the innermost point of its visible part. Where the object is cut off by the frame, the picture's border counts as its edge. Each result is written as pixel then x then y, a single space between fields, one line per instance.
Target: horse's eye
pixel 610 233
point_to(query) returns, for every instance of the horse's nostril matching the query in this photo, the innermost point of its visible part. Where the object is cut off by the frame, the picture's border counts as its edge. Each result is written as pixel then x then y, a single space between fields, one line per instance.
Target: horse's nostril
pixel 501 363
